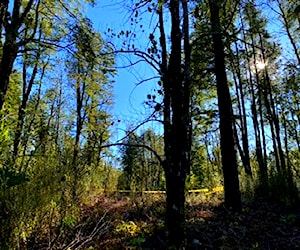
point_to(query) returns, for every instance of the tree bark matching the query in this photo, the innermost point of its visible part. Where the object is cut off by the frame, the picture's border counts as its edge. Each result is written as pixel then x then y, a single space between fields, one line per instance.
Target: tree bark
pixel 177 127
pixel 229 162
pixel 11 46
pixel 10 50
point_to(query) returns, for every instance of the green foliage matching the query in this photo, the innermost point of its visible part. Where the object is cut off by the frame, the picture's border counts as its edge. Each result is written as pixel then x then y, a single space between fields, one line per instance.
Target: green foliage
pixel 141 168
pixel 8 114
pixel 137 241
pixel 69 221
pixel 11 178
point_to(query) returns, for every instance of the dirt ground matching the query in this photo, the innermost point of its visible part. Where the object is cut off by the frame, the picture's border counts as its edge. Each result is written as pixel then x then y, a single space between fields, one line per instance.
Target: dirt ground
pixel 138 223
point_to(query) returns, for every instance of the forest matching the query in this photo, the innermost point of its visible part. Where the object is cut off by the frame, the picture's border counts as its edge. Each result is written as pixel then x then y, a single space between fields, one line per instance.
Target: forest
pixel 213 162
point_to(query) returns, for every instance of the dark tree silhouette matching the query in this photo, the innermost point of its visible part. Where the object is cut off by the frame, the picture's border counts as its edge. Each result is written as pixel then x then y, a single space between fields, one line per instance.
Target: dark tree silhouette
pixel 229 162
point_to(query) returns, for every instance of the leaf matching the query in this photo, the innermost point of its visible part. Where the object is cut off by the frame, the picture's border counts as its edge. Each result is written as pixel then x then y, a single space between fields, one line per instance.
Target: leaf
pixel 157 107
pixel 151 37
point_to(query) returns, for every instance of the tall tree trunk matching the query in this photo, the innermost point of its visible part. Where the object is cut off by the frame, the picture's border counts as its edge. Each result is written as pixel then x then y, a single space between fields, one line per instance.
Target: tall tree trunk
pixel 177 124
pixel 27 87
pixel 244 150
pixel 295 130
pixel 229 162
pixel 273 111
pixel 79 125
pixel 261 160
pixel 289 172
pixel 259 128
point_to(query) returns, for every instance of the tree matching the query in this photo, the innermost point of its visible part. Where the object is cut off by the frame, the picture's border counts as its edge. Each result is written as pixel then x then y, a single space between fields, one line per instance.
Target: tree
pixel 142 169
pixel 172 63
pixel 14 27
pixel 88 73
pixel 175 76
pixel 11 23
pixel 131 157
pixel 288 13
pixel 229 162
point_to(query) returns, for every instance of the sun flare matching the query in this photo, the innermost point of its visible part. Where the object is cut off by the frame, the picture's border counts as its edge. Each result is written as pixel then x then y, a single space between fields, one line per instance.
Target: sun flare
pixel 260 65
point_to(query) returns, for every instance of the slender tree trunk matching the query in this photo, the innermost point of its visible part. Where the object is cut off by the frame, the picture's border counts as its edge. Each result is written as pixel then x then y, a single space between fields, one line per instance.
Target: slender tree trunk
pixel 286 137
pixel 261 160
pixel 229 162
pixel 259 127
pixel 27 87
pixel 262 128
pixel 263 171
pixel 286 25
pixel 273 111
pixel 275 124
pixel 244 150
pixel 3 14
pixel 289 172
pixel 295 130
pixel 260 142
pixel 79 124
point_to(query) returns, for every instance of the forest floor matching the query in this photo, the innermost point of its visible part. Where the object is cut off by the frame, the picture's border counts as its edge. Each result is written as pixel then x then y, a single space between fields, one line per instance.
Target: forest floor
pixel 138 223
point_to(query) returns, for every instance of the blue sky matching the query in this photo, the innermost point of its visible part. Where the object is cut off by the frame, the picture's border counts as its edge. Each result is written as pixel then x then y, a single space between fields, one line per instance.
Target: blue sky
pixel 129 95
